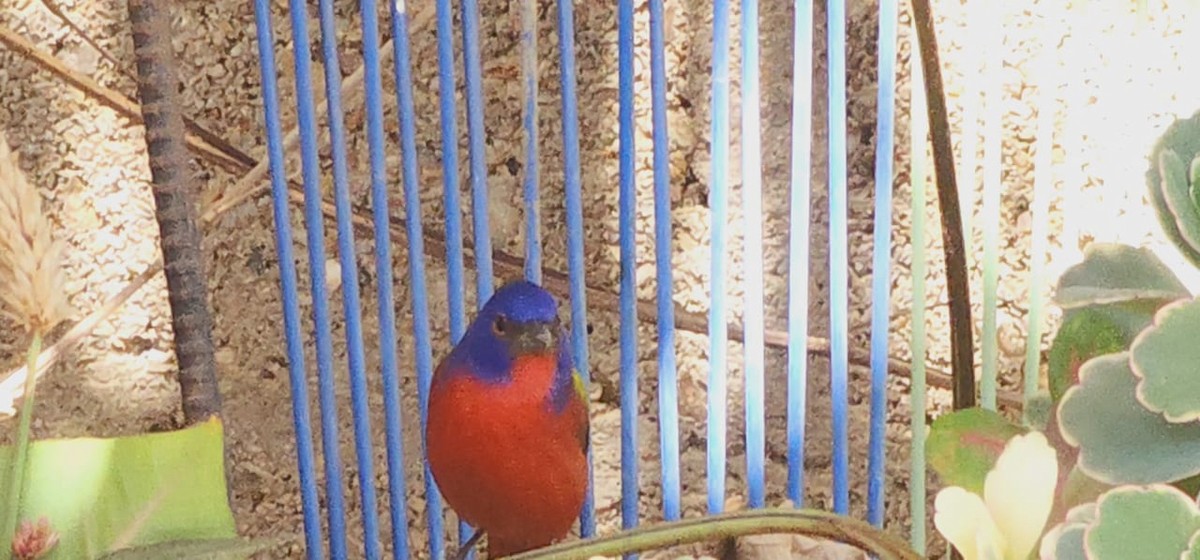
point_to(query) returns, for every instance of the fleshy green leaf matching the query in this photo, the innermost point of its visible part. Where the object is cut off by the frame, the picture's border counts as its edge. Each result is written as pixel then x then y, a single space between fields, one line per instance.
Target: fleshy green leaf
pixel 1080 488
pixel 1155 521
pixel 101 494
pixel 1178 196
pixel 1065 540
pixel 1085 333
pixel 1193 551
pixel 964 445
pixel 1194 181
pixel 207 549
pixel 1183 139
pixel 1038 408
pixel 1120 442
pixel 1112 273
pixel 1166 358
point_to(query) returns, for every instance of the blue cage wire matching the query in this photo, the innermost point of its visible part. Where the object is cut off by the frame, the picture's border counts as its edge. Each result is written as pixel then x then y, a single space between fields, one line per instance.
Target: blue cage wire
pixel 332 538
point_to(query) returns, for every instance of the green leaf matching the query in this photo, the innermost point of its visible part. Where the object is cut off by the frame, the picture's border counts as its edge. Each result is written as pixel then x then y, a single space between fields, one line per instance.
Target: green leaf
pixel 1155 521
pixel 1193 551
pixel 1194 181
pixel 1037 410
pixel 1179 197
pixel 1070 544
pixel 206 549
pixel 964 445
pixel 1085 333
pixel 1079 488
pixel 102 494
pixel 1065 540
pixel 1182 138
pixel 1166 359
pixel 1119 441
pixel 1112 273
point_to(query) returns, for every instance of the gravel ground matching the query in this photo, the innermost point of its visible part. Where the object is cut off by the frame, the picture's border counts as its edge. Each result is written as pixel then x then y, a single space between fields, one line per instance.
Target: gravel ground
pixel 1118 80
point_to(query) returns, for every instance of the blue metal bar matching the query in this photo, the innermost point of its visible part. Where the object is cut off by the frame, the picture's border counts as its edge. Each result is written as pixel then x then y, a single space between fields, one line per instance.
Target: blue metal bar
pixel 802 56
pixel 287 278
pixel 473 77
pixel 575 254
pixel 838 257
pixel 918 133
pixel 626 224
pixel 454 236
pixel 351 304
pixel 989 211
pixel 881 277
pixel 529 69
pixel 668 382
pixel 756 449
pixel 719 201
pixel 402 66
pixel 315 232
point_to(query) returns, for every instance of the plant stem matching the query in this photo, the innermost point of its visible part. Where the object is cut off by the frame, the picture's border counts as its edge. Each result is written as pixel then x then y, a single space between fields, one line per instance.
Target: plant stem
pixel 16 479
pixel 813 523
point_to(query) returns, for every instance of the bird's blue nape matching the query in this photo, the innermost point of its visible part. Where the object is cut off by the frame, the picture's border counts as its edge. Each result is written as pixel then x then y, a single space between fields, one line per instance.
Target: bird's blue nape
pixel 481 353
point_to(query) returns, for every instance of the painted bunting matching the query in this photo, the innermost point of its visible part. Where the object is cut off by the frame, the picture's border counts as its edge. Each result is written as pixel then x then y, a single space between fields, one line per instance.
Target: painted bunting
pixel 507 431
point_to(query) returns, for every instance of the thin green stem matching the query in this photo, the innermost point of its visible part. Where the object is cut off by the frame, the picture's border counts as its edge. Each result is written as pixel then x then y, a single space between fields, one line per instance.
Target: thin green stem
pixel 812 523
pixel 16 479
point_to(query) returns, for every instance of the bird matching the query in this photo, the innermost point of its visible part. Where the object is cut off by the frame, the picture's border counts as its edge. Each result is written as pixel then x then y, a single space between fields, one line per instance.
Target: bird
pixel 507 429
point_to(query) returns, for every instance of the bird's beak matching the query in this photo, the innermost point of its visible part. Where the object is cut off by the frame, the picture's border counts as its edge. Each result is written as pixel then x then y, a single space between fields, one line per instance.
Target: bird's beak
pixel 537 339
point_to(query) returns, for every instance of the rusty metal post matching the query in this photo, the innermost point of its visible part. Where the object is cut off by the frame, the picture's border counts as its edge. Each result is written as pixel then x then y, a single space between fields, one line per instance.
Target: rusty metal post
pixel 175 197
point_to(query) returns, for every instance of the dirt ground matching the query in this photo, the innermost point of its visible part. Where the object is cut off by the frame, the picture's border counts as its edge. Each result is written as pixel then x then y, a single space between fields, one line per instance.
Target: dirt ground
pixel 1119 78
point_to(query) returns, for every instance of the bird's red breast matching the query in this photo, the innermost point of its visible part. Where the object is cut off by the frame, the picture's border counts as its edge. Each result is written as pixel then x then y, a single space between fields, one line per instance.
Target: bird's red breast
pixel 504 459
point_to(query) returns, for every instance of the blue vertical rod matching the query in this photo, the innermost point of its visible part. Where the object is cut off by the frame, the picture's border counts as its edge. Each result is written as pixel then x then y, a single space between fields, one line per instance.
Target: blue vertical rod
pixel 838 258
pixel 718 200
pixel 315 232
pixel 455 269
pixel 473 78
pixel 529 70
pixel 626 223
pixel 305 455
pixel 351 303
pixel 402 66
pixel 454 236
pixel 756 450
pixel 668 382
pixel 918 165
pixel 574 204
pixel 802 55
pixel 989 211
pixel 881 278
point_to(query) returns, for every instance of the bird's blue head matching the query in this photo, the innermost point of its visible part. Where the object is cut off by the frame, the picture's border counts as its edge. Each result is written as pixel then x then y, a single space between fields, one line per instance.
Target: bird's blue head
pixel 521 318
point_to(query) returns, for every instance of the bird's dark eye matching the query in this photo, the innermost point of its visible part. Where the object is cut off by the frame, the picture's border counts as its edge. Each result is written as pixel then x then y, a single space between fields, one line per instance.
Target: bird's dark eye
pixel 501 325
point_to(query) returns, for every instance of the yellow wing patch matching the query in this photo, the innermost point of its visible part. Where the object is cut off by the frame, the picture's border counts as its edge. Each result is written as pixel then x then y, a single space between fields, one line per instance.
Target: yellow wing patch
pixel 584 434
pixel 580 387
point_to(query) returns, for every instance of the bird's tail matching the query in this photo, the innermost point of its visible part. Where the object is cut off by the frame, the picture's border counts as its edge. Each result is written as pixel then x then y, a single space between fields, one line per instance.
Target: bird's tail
pixel 465 549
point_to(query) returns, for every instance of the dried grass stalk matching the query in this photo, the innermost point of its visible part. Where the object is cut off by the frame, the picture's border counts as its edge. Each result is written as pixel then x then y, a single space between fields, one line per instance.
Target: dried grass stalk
pixel 32 282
